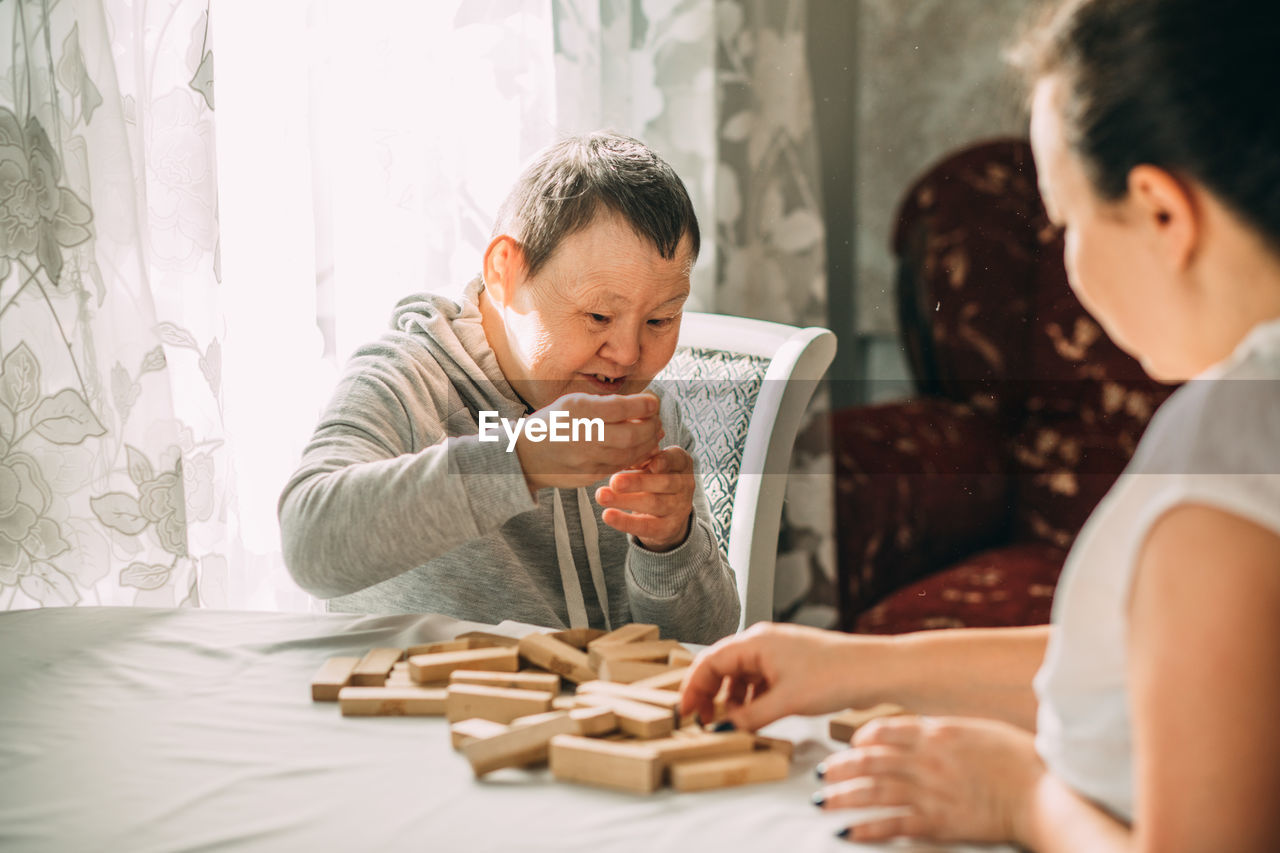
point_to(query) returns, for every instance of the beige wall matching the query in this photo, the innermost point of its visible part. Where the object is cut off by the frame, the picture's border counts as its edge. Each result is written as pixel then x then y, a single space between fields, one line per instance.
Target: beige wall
pixel 931 80
pixel 926 77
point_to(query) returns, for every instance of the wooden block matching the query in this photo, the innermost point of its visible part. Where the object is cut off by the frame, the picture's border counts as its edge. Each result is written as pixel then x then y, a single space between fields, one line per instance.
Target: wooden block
pixel 844 724
pixel 668 699
pixel 556 656
pixel 669 680
pixel 654 651
pixel 608 764
pixel 594 722
pixel 541 716
pixel 485 640
pixel 465 731
pixel 392 701
pixel 687 747
pixel 563 703
pixel 402 679
pixel 726 771
pixel 499 704
pixel 373 668
pixel 332 677
pixel 634 718
pixel 629 671
pixel 519 745
pixel 428 668
pixel 547 682
pixel 439 647
pixel 635 632
pixel 775 744
pixel 720 704
pixel 680 657
pixel 577 637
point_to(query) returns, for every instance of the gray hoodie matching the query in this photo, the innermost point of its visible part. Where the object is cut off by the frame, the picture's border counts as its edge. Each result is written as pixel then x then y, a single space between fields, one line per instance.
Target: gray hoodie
pixel 398 507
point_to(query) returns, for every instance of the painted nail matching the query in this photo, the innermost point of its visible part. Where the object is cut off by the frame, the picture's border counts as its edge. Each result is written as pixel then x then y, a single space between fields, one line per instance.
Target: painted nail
pixel 820 771
pixel 724 726
pixel 844 833
pixel 819 799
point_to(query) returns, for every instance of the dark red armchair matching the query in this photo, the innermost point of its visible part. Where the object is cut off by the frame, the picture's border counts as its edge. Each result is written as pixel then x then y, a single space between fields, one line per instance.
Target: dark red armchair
pixel 957 508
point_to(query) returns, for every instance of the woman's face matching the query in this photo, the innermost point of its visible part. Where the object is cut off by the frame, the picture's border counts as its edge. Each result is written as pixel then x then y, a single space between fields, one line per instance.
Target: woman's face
pixel 601 316
pixel 1111 264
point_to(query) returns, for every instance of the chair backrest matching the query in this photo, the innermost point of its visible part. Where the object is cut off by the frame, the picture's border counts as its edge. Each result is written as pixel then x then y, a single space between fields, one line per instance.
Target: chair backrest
pixel 743 386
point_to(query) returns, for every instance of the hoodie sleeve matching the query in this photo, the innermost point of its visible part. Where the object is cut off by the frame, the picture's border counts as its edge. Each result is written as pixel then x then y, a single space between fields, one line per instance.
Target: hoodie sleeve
pixel 690 592
pixel 382 488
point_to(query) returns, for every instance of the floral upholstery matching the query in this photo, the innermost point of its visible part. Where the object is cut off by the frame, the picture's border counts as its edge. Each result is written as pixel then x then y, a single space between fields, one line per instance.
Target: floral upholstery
pixel 717 393
pixel 957 508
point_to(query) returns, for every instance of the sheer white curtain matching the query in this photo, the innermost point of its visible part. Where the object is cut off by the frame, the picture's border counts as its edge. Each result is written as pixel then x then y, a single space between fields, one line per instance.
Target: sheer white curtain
pixel 114 471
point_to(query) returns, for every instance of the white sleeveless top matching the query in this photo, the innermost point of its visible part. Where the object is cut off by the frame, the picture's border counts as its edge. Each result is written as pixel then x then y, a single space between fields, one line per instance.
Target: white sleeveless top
pixel 1215 442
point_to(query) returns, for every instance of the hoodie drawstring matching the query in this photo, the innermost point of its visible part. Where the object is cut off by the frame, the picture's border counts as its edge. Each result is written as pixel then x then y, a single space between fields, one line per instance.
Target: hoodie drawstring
pixel 591 538
pixel 569 570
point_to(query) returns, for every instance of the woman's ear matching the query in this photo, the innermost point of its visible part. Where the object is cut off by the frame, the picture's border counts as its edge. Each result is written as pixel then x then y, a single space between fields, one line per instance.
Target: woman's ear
pixel 1168 207
pixel 503 268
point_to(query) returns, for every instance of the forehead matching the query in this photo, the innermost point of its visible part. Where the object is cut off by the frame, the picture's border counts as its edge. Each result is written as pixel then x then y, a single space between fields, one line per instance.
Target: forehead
pixel 609 261
pixel 1048 140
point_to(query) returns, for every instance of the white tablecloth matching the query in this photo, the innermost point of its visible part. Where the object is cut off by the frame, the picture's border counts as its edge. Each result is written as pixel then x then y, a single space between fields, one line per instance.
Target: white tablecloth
pixel 130 729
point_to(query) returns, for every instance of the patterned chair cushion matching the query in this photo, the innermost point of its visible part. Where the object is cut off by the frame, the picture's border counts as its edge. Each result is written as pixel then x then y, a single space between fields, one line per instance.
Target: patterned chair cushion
pixel 717 393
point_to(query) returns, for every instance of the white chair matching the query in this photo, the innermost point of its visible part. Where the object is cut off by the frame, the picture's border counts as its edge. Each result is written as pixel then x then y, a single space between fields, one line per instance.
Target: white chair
pixel 743 386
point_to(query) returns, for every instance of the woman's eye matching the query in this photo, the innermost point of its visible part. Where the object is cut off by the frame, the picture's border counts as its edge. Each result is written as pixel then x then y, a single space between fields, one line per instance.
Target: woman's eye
pixel 661 322
pixel 599 318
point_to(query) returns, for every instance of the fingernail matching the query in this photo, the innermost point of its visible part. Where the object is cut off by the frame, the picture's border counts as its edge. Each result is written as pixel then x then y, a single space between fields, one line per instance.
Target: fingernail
pixel 724 726
pixel 844 833
pixel 820 771
pixel 819 799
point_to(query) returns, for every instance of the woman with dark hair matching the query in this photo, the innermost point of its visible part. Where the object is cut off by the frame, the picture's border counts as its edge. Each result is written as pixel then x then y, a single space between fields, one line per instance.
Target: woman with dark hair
pixel 1145 718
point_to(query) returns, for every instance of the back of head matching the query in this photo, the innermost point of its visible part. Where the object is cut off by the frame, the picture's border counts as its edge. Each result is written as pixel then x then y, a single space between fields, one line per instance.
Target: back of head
pixel 571 182
pixel 1184 85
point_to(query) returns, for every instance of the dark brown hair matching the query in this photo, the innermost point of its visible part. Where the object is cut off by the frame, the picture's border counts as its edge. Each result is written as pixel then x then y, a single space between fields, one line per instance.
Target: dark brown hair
pixel 1185 85
pixel 569 183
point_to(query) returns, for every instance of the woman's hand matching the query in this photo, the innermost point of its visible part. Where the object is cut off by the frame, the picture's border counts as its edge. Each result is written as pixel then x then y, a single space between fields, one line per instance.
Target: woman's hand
pixel 791 670
pixel 963 779
pixel 654 502
pixel 632 432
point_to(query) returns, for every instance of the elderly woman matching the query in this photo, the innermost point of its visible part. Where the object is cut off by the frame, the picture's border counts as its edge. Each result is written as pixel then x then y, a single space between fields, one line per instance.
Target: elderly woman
pixel 422 491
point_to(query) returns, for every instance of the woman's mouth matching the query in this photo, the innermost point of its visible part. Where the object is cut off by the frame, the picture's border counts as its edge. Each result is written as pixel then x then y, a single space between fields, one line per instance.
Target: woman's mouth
pixel 605 383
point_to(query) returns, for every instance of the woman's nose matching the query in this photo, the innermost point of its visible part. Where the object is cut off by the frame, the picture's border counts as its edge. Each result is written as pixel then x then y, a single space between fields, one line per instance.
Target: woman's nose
pixel 622 347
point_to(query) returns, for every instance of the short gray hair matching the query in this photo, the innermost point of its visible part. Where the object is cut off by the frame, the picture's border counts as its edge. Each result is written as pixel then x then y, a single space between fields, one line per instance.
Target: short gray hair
pixel 567 184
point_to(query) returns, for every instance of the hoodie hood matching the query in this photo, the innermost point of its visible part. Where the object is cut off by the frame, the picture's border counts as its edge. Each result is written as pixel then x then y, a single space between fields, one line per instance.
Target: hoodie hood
pixel 453 334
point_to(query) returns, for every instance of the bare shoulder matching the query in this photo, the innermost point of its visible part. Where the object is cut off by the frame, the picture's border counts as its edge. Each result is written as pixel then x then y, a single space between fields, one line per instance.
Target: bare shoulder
pixel 1204 671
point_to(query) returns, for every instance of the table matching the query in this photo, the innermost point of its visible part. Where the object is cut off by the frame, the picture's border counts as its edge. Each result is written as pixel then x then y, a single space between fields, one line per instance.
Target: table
pixel 139 730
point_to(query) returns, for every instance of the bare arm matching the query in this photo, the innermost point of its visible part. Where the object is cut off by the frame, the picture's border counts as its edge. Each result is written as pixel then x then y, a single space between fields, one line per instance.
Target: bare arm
pixel 794 670
pixel 970 672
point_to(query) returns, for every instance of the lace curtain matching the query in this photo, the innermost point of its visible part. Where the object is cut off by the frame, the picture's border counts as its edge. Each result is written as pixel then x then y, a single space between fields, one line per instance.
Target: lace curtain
pixel 114 472
pixel 154 398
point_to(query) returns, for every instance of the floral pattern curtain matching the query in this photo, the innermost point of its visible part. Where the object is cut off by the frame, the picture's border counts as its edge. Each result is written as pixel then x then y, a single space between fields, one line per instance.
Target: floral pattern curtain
pixel 113 476
pixel 771 260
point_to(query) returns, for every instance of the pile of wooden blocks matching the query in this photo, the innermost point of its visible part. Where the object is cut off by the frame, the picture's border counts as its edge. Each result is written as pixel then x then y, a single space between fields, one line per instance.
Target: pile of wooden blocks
pixel 620 728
